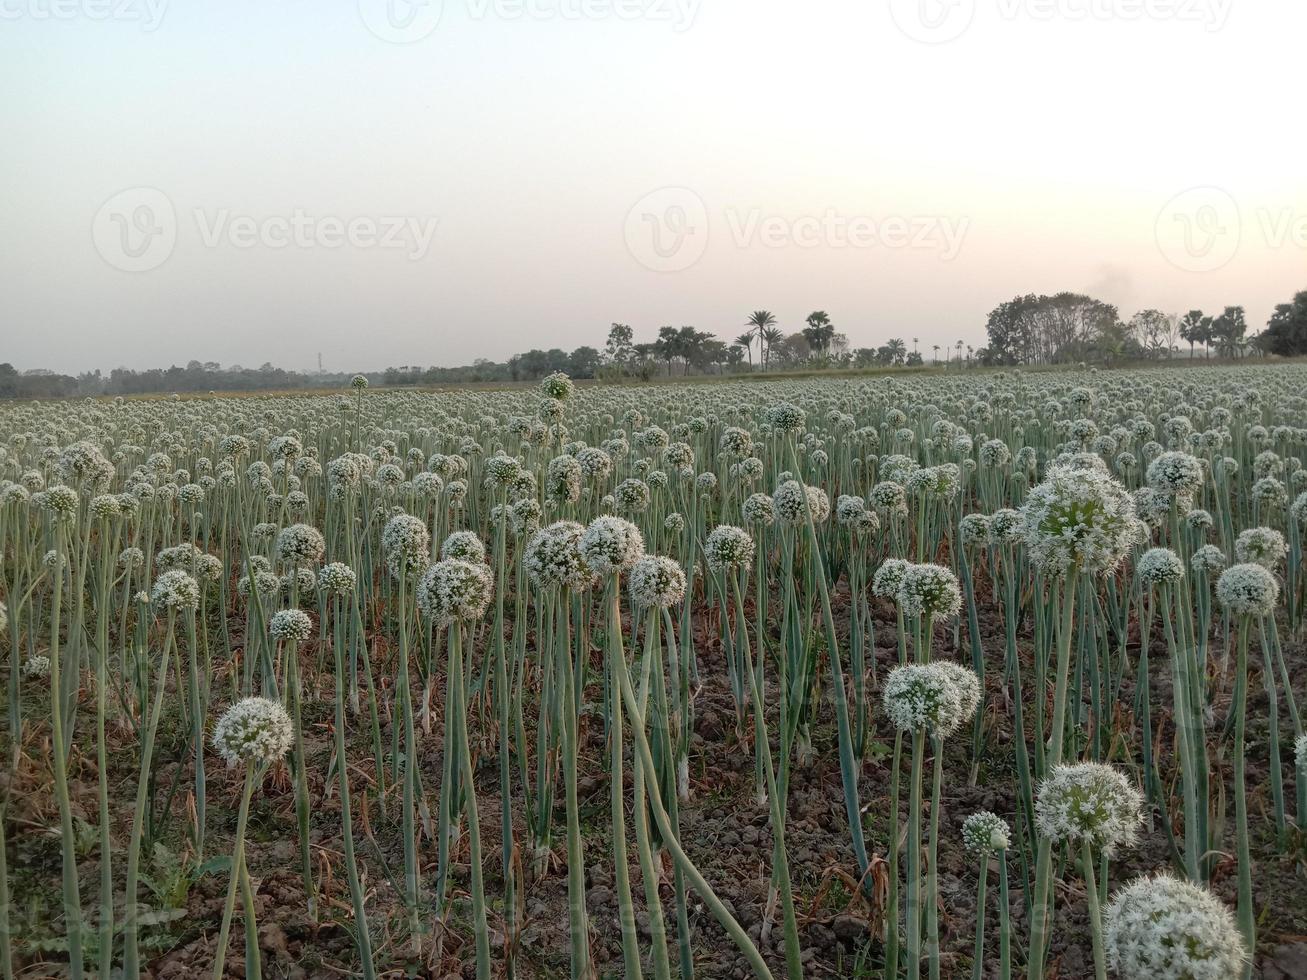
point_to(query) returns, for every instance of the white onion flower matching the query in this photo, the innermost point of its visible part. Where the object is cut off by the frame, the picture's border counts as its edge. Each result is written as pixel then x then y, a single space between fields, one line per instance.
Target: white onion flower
pixel 1089 802
pixel 929 590
pixel 611 545
pixel 464 546
pixel 1159 566
pixel 728 547
pixel 1248 590
pixel 656 582
pixel 455 591
pixel 1078 518
pixel 984 832
pixel 290 624
pixel 253 730
pixel 1263 545
pixel 1164 928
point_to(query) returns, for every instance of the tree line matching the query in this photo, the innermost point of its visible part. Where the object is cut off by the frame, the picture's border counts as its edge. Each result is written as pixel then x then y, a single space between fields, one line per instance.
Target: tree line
pixel 1069 327
pixel 1030 329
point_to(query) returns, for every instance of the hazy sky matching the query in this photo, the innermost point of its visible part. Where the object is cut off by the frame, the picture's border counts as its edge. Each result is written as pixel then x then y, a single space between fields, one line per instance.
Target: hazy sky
pixel 395 183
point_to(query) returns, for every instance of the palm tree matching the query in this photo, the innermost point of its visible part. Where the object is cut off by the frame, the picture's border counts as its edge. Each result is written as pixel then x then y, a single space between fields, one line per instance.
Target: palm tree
pixel 959 347
pixel 935 347
pixel 773 336
pixel 759 321
pixel 914 345
pixel 897 350
pixel 745 340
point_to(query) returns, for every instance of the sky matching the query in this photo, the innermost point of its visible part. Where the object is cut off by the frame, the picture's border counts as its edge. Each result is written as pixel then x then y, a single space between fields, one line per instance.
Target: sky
pixel 391 182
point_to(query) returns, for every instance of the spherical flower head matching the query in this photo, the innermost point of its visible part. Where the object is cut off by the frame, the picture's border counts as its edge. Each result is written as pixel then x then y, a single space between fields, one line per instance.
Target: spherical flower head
pixel 595 463
pixel 358 382
pixel 104 507
pixel 788 503
pixel 973 530
pixel 678 455
pixel 1005 527
pixel 921 697
pixel 455 591
pixel 1262 545
pixel 785 418
pixel 995 452
pixel 1159 566
pixel 656 582
pixel 290 624
pixel 1208 559
pixel 966 682
pixel 563 479
pixel 254 730
pixel 1088 801
pixel 337 579
pixel 849 509
pixel 36 667
pixel 929 590
pixel 1176 473
pixel 889 496
pixel 1248 590
pixel 611 545
pixel 632 495
pixel 728 547
pixel 984 832
pixel 300 544
pixel 1199 520
pixel 175 590
pixel 501 469
pixel 1078 518
pixel 888 578
pixel 553 557
pixel 758 510
pixel 674 522
pixel 1165 928
pixel 557 386
pixel 524 516
pixel 406 543
pixel 463 546
pixel 60 502
pixel 736 442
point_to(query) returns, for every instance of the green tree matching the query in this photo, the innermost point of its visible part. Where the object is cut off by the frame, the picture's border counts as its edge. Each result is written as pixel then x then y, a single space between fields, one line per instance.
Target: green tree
pixel 1286 330
pixel 761 321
